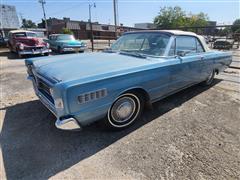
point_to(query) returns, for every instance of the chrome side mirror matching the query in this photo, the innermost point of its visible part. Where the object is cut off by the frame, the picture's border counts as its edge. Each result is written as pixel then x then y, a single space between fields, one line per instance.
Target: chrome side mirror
pixel 181 53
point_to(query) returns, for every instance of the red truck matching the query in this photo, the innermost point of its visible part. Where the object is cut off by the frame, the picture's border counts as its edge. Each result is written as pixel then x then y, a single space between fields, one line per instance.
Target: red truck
pixel 25 42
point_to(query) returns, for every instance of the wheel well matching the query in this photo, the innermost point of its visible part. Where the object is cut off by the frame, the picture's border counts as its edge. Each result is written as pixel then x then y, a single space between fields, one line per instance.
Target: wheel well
pixel 142 92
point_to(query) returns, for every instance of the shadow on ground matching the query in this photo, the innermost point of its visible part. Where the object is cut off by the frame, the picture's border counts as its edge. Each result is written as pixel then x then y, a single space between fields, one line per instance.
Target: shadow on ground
pixel 33 148
pixel 8 54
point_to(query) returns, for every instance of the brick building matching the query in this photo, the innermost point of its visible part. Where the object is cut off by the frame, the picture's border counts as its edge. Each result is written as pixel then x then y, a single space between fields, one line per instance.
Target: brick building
pixel 81 29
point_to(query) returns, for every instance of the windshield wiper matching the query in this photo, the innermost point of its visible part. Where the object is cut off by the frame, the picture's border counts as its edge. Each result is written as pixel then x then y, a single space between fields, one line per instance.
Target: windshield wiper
pixel 131 53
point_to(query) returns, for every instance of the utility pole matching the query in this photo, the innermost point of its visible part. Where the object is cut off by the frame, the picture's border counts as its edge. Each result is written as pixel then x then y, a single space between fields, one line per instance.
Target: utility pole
pixel 90 21
pixel 115 16
pixel 43 2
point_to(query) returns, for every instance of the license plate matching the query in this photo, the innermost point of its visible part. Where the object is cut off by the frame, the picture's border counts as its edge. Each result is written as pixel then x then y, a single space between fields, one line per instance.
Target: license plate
pixel 77 49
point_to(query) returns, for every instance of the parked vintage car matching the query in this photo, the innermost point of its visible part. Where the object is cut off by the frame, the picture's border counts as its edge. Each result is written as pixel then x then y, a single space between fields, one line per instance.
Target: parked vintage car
pixel 3 41
pixel 66 43
pixel 223 44
pixel 25 42
pixel 140 68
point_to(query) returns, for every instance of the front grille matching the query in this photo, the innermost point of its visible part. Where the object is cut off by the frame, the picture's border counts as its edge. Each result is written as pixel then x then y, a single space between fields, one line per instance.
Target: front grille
pixel 32 48
pixel 44 89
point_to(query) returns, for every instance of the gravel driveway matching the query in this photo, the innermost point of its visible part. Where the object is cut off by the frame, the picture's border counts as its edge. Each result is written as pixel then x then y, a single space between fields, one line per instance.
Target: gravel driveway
pixel 194 134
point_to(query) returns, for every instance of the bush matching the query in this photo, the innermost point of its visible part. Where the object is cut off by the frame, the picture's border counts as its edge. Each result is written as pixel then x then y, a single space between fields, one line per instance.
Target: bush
pixel 66 31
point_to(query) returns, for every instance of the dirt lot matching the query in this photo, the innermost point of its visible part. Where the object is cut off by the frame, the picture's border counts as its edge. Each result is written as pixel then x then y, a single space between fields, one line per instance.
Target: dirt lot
pixel 194 134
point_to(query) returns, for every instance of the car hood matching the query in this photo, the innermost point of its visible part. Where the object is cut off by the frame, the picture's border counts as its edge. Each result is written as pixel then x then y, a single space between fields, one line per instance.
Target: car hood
pixel 70 42
pixel 87 66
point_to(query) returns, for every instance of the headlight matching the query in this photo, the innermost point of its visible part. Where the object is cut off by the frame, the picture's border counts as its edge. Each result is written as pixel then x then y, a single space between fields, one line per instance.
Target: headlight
pixel 21 46
pixel 58 103
pixel 51 91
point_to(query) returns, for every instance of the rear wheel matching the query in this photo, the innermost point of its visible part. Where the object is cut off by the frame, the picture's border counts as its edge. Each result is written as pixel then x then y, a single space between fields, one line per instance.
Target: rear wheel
pixel 209 79
pixel 125 110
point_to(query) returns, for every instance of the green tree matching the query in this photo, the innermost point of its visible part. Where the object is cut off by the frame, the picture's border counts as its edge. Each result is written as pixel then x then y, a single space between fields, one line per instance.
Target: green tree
pixel 28 24
pixel 66 31
pixel 236 25
pixel 170 17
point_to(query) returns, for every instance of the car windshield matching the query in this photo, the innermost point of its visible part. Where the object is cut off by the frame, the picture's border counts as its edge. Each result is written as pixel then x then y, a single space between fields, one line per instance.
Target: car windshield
pixel 29 34
pixel 65 37
pixel 24 34
pixel 40 34
pixel 153 44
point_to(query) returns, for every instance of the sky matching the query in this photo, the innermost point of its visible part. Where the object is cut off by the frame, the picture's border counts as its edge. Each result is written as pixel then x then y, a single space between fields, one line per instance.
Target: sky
pixel 129 11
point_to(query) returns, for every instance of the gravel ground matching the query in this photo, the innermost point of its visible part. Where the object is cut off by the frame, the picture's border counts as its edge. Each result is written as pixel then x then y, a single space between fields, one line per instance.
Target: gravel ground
pixel 194 134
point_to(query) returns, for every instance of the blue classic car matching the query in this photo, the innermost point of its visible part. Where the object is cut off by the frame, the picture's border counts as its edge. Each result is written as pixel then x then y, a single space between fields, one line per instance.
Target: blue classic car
pixel 65 43
pixel 114 85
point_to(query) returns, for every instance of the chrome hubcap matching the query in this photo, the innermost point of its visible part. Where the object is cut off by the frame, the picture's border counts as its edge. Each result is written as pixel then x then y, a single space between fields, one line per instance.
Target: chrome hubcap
pixel 123 109
pixel 210 77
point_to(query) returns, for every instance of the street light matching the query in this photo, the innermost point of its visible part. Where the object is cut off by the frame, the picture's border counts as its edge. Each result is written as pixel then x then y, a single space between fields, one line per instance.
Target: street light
pixel 90 21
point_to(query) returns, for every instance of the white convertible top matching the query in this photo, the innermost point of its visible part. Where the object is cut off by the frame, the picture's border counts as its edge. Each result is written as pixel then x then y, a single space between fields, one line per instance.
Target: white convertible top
pixel 179 33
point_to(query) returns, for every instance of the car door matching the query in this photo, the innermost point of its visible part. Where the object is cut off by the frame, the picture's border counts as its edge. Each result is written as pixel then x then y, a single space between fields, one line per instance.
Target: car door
pixel 203 66
pixel 188 63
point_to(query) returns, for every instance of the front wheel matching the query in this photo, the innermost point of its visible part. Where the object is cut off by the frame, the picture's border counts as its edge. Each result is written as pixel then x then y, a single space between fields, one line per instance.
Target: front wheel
pixel 125 110
pixel 209 79
pixel 19 54
pixel 59 50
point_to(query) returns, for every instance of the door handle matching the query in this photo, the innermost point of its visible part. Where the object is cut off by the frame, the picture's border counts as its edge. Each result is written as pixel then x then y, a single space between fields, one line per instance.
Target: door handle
pixel 202 57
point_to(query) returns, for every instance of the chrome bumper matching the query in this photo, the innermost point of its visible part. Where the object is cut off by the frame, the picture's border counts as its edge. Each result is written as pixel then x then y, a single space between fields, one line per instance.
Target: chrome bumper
pixel 68 124
pixel 64 124
pixel 37 51
pixel 72 49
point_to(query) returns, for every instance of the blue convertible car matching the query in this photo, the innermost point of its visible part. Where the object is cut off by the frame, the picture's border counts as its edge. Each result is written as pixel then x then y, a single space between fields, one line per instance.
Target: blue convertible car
pixel 140 68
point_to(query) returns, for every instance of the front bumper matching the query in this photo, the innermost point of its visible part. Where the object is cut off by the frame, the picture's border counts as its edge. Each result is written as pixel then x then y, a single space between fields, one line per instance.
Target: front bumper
pixel 68 124
pixel 74 49
pixel 35 51
pixel 63 124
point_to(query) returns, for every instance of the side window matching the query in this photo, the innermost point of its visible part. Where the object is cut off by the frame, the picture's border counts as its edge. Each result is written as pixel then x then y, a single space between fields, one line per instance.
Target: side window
pixel 185 44
pixel 199 47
